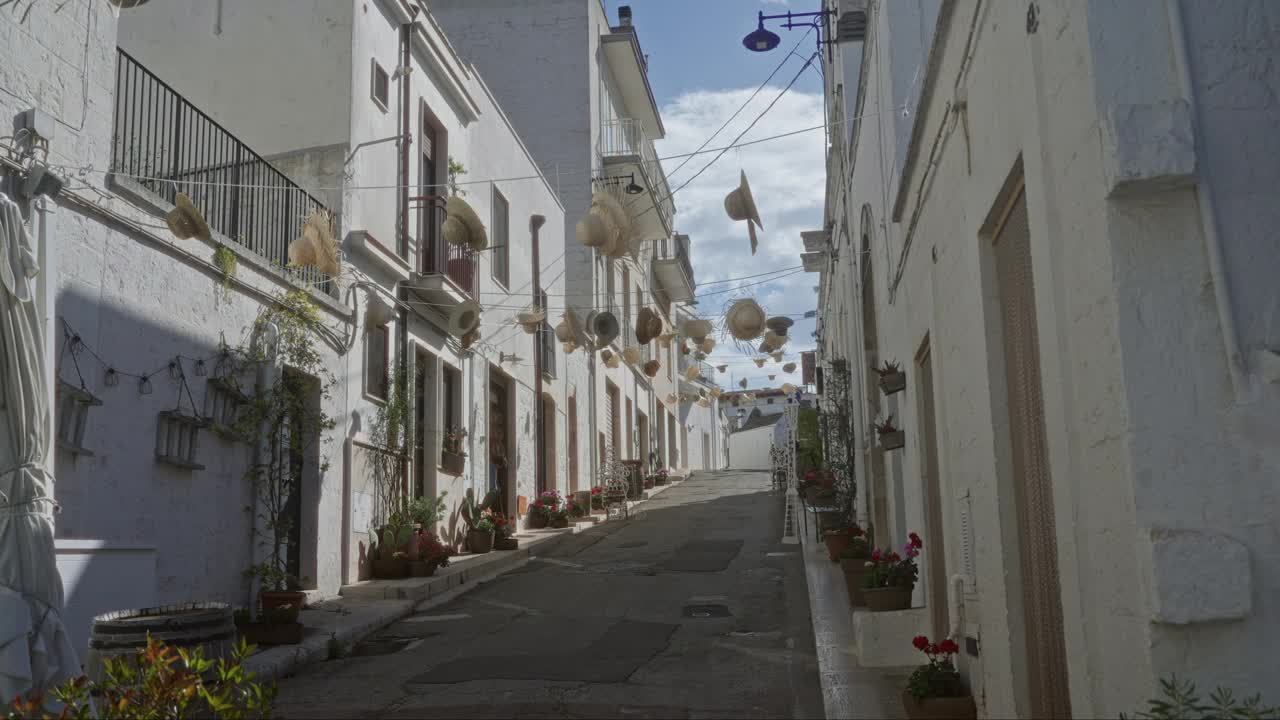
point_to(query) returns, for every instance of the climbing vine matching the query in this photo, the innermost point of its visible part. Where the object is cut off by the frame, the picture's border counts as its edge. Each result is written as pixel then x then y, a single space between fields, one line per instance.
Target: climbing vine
pixel 225 259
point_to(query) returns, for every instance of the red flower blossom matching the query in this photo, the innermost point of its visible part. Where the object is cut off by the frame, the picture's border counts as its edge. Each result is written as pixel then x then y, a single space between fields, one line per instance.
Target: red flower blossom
pixel 921 642
pixel 915 540
pixel 948 646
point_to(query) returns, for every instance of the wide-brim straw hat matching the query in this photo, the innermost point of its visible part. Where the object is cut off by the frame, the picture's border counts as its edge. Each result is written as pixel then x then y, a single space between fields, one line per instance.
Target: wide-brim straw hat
pixel 648 325
pixel 672 399
pixel 716 392
pixel 185 221
pixel 740 205
pixel 776 355
pixel 569 347
pixel 774 339
pixel 779 324
pixel 742 383
pixel 609 359
pixel 759 362
pixel 721 368
pixel 704 402
pixel 605 327
pixel 564 331
pixel 789 368
pixel 378 312
pixel 596 228
pixel 652 367
pixel 619 243
pixel 316 247
pixel 470 338
pixel 697 328
pixel 745 319
pixel 692 372
pixel 708 344
pixel 463 226
pixel 665 339
pixel 531 320
pixel 464 318
pixel 631 355
pixel 788 388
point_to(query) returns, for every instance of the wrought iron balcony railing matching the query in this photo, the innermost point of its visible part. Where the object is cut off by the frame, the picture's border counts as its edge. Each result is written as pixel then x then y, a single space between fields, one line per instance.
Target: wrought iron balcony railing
pixel 167 145
pixel 626 137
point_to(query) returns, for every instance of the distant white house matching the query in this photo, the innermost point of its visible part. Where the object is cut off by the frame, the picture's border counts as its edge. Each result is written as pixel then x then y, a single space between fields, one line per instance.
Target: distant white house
pixel 749 445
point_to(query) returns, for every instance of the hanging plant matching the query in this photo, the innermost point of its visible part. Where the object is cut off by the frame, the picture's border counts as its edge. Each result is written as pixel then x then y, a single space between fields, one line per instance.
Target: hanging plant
pixel 456 169
pixel 226 261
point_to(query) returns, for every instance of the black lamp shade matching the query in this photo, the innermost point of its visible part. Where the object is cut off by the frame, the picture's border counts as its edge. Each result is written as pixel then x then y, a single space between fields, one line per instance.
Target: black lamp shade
pixel 761 40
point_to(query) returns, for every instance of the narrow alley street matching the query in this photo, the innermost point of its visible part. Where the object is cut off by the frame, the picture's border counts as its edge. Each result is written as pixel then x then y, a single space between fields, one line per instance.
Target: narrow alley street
pixel 692 608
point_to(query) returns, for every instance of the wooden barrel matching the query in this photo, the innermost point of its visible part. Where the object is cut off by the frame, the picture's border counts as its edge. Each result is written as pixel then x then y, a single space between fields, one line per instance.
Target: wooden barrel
pixel 207 625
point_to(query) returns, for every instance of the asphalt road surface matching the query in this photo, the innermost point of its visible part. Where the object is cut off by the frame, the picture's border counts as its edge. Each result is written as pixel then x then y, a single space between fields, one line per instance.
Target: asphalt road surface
pixel 691 609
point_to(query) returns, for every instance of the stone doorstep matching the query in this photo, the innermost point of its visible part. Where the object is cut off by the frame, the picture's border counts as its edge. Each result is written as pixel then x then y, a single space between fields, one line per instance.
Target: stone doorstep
pixel 462 569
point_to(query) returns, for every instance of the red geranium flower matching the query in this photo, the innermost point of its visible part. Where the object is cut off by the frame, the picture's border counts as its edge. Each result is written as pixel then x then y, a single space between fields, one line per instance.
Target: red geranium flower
pixel 948 646
pixel 915 540
pixel 921 642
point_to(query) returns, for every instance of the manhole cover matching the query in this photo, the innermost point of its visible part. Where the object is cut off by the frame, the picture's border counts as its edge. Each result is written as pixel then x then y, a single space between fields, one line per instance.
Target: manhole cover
pixel 634 544
pixel 706 611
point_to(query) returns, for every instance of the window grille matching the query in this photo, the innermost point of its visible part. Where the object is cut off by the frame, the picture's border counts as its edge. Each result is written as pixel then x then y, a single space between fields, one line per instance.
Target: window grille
pixel 73 416
pixel 178 439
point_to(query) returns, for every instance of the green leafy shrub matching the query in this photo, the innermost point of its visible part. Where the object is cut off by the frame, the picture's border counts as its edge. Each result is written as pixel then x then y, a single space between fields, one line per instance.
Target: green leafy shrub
pixel 1180 701
pixel 159 682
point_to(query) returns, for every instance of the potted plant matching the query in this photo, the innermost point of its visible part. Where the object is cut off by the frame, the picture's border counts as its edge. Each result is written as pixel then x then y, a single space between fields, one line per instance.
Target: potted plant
pixel 891 438
pixel 503 532
pixel 575 510
pixel 391 554
pixel 283 417
pixel 650 481
pixel 431 554
pixel 539 515
pixel 479 526
pixel 559 519
pixel 853 563
pixel 837 539
pixel 935 689
pixel 661 477
pixel 818 487
pixel 597 497
pixel 892 378
pixel 427 513
pixel 453 454
pixel 891 577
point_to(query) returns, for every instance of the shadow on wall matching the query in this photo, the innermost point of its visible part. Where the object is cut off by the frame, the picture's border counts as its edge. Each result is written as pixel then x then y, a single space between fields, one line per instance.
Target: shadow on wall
pixel 189 506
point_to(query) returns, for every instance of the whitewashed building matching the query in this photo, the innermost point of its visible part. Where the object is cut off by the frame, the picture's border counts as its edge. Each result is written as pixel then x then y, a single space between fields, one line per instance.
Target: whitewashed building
pixel 577 88
pixel 263 113
pixel 1054 215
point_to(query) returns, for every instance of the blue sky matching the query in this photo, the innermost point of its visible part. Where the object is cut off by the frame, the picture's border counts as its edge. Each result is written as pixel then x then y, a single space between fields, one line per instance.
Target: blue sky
pixel 701 74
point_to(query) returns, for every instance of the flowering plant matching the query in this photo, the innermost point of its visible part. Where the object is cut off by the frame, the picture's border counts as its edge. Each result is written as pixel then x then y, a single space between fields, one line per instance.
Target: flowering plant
pixel 885 427
pixel 432 551
pixel 939 678
pixel 501 524
pixel 550 499
pixel 889 569
pixel 662 473
pixel 454 438
pixel 890 367
pixel 574 509
pixel 597 491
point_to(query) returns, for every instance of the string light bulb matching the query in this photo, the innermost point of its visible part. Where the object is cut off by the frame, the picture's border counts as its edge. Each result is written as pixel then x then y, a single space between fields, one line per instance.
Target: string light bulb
pixel 144 385
pixel 199 368
pixel 111 378
pixel 175 369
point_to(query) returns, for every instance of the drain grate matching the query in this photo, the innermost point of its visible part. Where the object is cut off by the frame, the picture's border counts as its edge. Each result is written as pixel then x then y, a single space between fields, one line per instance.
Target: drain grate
pixel 707 611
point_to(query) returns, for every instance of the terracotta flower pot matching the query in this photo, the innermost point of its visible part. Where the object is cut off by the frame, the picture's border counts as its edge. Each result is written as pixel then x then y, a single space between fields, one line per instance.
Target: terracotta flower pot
pixel 480 541
pixel 659 479
pixel 560 522
pixel 421 568
pixel 390 569
pixel 959 708
pixel 597 502
pixel 507 543
pixel 281 606
pixel 536 520
pixel 887 599
pixel 855 569
pixel 837 542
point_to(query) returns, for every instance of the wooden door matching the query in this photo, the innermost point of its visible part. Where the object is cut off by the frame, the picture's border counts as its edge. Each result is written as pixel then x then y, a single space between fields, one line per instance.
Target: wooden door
pixel 1033 490
pixel 935 554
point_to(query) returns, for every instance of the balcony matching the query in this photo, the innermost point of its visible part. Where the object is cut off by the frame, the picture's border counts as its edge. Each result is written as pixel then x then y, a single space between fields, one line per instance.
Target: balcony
pixel 164 145
pixel 706 372
pixel 547 350
pixel 625 148
pixel 673 271
pixel 448 272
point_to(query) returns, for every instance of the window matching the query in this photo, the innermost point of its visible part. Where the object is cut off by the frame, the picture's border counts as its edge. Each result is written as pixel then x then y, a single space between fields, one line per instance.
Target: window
pixel 450 389
pixel 770 401
pixel 501 232
pixel 430 216
pixel 377 351
pixel 379 86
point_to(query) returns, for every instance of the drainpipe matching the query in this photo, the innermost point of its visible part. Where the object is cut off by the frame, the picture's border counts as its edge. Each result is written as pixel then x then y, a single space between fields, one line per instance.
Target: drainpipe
pixel 1208 208
pixel 402 329
pixel 535 224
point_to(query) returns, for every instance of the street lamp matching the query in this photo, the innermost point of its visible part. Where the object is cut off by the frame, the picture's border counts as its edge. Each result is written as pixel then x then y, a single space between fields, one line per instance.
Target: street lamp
pixel 761 40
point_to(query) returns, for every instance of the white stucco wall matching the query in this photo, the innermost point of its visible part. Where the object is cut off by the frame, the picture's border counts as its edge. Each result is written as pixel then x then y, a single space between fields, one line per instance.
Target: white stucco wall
pixel 1140 413
pixel 749 449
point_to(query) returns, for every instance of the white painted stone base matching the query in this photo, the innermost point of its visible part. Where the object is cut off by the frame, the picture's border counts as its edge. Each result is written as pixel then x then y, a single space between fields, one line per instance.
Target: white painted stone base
pixel 883 639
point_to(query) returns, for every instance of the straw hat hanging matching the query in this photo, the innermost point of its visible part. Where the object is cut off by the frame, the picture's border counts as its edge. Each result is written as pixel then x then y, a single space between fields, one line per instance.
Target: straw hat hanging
pixel 631 355
pixel 703 402
pixel 569 347
pixel 652 367
pixel 185 221
pixel 745 319
pixel 464 318
pixel 697 328
pixel 604 326
pixel 740 205
pixel 531 320
pixel 774 339
pixel 564 331
pixel 470 338
pixel 789 368
pixel 708 345
pixel 759 362
pixel 672 399
pixel 779 324
pixel 788 388
pixel 617 243
pixel 648 325
pixel 665 340
pixel 742 383
pixel 463 226
pixel 776 355
pixel 699 356
pixel 716 392
pixel 692 372
pixel 610 360
pixel 773 377
pixel 316 247
pixel 721 368
pixel 596 228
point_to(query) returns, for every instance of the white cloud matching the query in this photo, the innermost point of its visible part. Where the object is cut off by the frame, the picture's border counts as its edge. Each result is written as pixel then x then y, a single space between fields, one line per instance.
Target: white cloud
pixel 787 177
